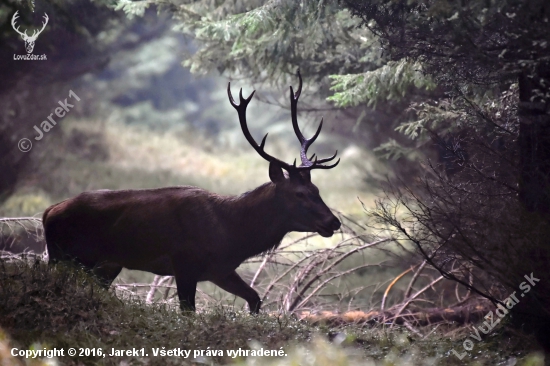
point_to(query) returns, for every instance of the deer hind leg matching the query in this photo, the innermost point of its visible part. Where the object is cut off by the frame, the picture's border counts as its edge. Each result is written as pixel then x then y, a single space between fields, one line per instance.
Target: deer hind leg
pixel 106 273
pixel 55 253
pixel 234 284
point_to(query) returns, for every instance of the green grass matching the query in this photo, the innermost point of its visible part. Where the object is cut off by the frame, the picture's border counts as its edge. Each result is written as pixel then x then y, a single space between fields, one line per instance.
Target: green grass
pixel 61 307
pixel 64 307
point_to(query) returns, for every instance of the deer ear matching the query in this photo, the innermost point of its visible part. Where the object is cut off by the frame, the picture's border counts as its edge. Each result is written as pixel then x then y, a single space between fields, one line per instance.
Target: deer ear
pixel 276 173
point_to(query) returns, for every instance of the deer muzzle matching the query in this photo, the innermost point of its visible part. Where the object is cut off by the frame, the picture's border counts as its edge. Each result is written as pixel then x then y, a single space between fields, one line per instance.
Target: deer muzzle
pixel 328 228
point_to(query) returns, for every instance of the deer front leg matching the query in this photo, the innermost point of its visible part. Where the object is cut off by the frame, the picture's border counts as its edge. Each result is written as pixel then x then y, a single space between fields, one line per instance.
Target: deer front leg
pixel 234 284
pixel 186 281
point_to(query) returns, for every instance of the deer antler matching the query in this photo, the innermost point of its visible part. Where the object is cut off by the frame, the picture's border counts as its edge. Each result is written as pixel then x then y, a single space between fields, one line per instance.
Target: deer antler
pixel 241 109
pixel 35 34
pixel 305 143
pixel 24 35
pixel 13 20
pixel 307 164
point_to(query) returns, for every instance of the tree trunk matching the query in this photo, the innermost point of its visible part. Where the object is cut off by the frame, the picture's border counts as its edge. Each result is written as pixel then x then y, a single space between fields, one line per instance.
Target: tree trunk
pixel 534 139
pixel 532 315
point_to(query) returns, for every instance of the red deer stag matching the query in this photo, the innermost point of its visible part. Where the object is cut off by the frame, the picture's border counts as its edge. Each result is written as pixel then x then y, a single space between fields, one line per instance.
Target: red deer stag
pixel 190 233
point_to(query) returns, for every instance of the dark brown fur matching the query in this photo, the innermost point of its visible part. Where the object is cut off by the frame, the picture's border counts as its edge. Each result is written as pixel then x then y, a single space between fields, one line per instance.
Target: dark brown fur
pixel 188 232
pixel 183 231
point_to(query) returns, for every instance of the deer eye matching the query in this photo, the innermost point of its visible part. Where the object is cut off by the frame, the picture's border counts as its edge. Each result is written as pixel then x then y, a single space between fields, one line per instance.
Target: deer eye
pixel 300 195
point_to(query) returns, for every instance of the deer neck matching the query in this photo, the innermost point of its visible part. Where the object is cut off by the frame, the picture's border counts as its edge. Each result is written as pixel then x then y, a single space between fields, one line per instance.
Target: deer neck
pixel 258 220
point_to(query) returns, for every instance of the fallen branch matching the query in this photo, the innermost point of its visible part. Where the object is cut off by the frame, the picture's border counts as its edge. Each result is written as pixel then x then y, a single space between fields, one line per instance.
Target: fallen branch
pixel 418 318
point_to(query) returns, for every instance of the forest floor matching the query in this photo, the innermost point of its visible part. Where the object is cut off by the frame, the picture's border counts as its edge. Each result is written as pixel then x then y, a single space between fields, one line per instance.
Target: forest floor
pixel 46 308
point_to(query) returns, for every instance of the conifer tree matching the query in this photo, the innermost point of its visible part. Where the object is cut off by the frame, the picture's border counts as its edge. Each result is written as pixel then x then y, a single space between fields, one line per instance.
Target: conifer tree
pixel 476 78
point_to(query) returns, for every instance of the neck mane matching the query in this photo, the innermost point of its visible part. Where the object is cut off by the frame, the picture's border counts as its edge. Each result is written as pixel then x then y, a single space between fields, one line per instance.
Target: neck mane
pixel 257 221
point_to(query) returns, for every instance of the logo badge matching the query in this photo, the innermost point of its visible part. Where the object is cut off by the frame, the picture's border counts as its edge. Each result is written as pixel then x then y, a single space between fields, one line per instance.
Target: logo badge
pixel 29 40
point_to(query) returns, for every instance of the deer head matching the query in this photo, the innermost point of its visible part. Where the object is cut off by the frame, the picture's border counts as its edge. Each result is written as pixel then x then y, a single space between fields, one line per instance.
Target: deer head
pixel 29 40
pixel 305 210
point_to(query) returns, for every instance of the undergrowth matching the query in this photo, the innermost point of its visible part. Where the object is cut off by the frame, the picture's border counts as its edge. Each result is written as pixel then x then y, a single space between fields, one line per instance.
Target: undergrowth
pixel 64 307
pixel 59 306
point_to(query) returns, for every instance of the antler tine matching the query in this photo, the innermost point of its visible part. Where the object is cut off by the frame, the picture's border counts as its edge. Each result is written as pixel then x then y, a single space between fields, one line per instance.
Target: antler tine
pixel 14 19
pixel 44 23
pixel 326 160
pixel 316 164
pixel 312 139
pixel 16 28
pixel 241 109
pixel 306 143
pixel 325 166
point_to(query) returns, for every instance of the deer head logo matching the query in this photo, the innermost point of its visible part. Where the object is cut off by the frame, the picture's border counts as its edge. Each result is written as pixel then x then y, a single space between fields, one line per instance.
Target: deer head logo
pixel 29 40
